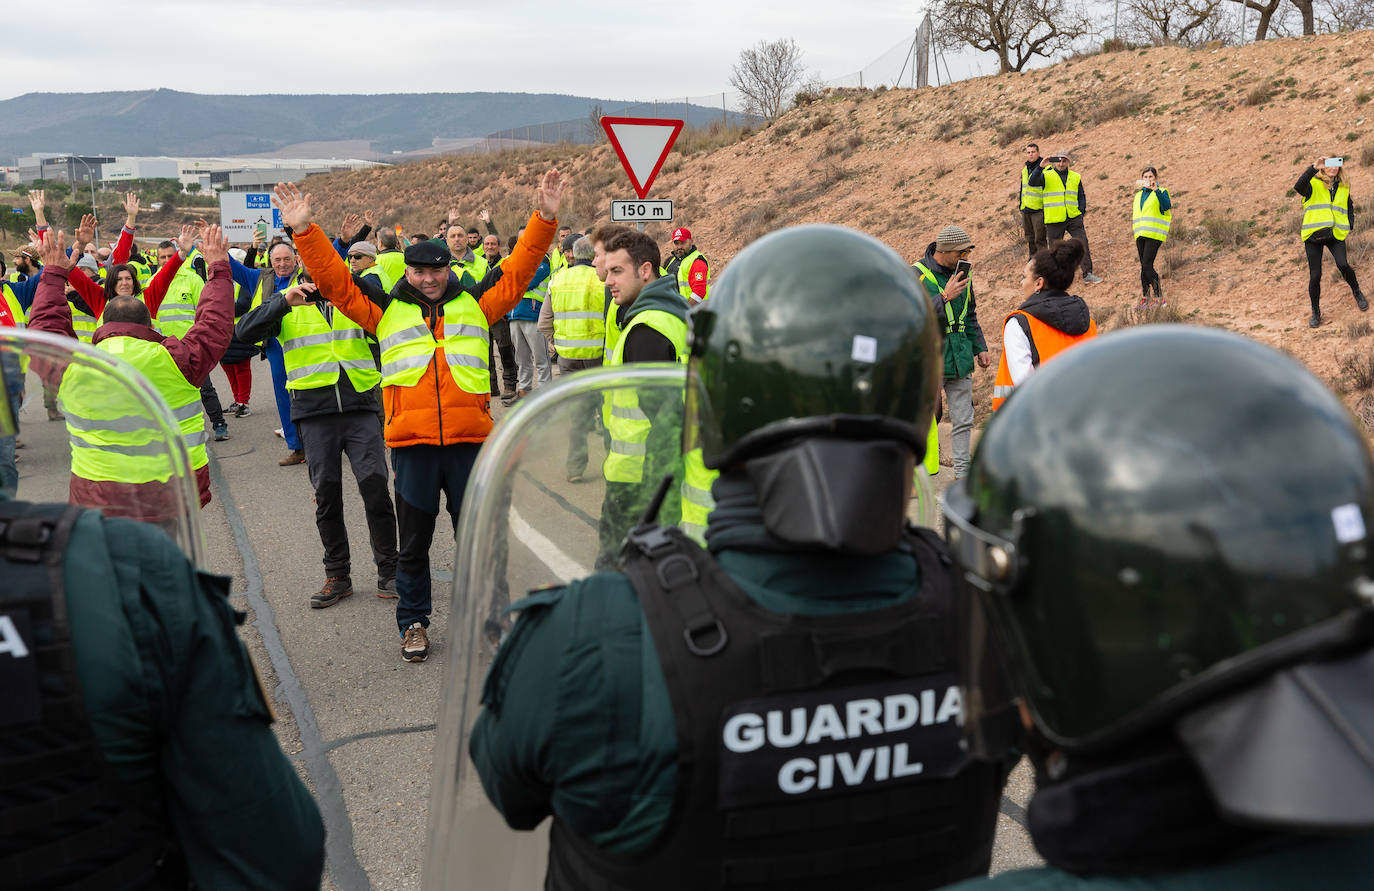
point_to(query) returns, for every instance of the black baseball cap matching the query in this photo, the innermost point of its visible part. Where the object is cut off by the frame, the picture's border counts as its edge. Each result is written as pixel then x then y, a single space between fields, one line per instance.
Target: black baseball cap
pixel 427 254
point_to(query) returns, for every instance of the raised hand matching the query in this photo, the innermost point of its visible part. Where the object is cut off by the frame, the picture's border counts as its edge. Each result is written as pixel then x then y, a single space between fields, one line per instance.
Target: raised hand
pixel 370 219
pixel 453 215
pixel 549 195
pixel 37 200
pixel 52 250
pixel 215 247
pixel 350 227
pixel 186 241
pixel 85 232
pixel 130 209
pixel 484 215
pixel 294 207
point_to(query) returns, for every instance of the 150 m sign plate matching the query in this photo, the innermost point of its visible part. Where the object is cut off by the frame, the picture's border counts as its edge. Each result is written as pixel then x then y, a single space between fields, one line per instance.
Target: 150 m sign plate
pixel 641 211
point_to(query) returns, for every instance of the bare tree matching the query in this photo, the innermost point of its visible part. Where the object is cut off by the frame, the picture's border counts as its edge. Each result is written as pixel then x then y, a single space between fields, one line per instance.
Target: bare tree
pixel 1176 22
pixel 595 132
pixel 1266 10
pixel 767 74
pixel 1309 19
pixel 1347 15
pixel 1016 30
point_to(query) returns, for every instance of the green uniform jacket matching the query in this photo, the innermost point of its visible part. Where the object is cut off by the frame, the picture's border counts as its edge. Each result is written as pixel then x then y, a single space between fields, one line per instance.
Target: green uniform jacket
pixel 174 703
pixel 960 346
pixel 577 720
pixel 1333 864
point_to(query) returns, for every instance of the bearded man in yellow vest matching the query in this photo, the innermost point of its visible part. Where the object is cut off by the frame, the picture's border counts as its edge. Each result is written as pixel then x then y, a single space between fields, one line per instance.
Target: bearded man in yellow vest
pixel 434 330
pixel 651 317
pixel 118 468
pixel 1065 206
pixel 1327 218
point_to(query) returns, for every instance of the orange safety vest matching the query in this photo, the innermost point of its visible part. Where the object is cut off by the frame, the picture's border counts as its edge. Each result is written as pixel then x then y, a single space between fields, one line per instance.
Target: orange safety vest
pixel 1046 341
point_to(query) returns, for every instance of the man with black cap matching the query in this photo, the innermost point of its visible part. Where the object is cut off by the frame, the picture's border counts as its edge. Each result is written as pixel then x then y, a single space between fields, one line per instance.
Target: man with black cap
pixel 434 330
pixel 1065 206
pixel 1187 615
pixel 689 267
pixel 947 275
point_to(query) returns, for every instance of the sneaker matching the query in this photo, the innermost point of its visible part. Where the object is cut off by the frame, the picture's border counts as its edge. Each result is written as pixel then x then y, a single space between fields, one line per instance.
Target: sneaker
pixel 295 456
pixel 386 588
pixel 415 645
pixel 1362 303
pixel 336 588
pixel 575 478
pixel 1315 320
pixel 55 415
pixel 242 411
pixel 221 432
pixel 1092 279
pixel 1144 302
pixel 278 433
pixel 233 409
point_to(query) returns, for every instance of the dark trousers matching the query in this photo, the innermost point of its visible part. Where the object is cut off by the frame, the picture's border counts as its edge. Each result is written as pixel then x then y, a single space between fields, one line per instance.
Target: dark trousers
pixel 1073 229
pixel 501 343
pixel 1034 223
pixel 209 400
pixel 358 435
pixel 585 412
pixel 1313 247
pixel 422 472
pixel 1147 249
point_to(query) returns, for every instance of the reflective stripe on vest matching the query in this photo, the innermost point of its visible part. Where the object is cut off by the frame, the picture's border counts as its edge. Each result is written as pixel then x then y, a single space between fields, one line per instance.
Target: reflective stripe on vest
pixel 697 502
pixel 315 348
pixel 1049 342
pixel 408 346
pixel 1147 220
pixel 1032 197
pixel 952 324
pixel 111 440
pixel 626 423
pixel 1322 211
pixel 579 326
pixel 177 313
pixel 684 287
pixel 1061 196
pixel 83 323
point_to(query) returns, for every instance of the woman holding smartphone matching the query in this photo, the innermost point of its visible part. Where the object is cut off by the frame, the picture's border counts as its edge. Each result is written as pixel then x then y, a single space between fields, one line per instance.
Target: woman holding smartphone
pixel 1327 218
pixel 1151 213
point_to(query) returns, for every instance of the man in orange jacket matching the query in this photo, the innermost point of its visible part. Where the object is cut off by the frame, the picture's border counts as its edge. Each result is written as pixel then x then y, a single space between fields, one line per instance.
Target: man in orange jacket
pixel 434 331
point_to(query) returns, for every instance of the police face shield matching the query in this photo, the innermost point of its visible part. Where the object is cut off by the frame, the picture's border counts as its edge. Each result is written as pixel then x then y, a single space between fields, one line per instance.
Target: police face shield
pixel 555 491
pixel 120 449
pixel 986 567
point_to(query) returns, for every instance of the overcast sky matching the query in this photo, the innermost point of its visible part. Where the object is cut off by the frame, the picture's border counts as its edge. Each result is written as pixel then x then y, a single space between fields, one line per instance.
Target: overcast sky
pixel 624 50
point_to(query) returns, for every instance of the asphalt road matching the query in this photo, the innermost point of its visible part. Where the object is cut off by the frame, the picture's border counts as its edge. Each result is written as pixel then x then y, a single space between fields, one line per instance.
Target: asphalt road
pixel 358 723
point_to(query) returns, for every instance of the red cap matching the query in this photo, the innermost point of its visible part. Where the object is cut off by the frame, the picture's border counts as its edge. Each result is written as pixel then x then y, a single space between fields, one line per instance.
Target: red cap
pixel 682 233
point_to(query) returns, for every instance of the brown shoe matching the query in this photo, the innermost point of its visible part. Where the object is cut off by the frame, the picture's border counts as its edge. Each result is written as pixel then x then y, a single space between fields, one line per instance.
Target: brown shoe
pixel 55 415
pixel 296 456
pixel 415 646
pixel 336 588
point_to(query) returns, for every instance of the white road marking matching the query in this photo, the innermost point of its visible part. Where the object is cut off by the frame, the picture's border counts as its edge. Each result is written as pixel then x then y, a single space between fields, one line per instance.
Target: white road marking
pixel 565 567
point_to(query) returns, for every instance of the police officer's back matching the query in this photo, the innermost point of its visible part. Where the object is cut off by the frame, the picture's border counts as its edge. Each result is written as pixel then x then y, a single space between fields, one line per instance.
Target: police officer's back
pixel 135 746
pixel 779 709
pixel 1186 614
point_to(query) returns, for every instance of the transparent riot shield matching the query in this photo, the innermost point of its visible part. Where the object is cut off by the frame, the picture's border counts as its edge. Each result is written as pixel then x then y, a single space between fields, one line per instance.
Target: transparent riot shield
pixel 554 492
pixel 112 444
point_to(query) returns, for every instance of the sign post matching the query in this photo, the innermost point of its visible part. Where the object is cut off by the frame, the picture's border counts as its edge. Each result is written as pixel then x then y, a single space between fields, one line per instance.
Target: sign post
pixel 642 144
pixel 242 212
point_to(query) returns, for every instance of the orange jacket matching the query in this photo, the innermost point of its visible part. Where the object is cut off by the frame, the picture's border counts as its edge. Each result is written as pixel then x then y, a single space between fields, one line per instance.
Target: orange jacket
pixel 1047 341
pixel 434 411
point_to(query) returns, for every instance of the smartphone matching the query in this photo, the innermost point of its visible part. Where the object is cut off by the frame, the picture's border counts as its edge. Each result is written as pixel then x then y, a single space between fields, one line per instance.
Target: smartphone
pixel 1335 162
pixel 965 267
pixel 260 229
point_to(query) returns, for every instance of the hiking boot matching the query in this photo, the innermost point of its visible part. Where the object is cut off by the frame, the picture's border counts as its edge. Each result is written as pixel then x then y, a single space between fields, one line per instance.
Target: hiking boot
pixel 415 645
pixel 1092 279
pixel 1362 303
pixel 1315 320
pixel 295 456
pixel 336 588
pixel 386 588
pixel 242 411
pixel 221 432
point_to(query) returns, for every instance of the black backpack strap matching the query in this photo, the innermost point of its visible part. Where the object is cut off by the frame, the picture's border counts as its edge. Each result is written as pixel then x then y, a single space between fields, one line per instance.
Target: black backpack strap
pixel 662 565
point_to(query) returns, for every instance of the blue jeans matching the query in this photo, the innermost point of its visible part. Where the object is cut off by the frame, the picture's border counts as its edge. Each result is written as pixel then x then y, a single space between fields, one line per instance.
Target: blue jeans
pixel 422 472
pixel 288 429
pixel 9 470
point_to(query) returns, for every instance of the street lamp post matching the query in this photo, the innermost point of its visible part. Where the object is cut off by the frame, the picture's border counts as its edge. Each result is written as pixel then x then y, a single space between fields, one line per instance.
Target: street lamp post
pixel 90 178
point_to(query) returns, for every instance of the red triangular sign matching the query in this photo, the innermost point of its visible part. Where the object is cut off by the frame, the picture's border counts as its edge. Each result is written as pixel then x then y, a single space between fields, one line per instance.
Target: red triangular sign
pixel 642 144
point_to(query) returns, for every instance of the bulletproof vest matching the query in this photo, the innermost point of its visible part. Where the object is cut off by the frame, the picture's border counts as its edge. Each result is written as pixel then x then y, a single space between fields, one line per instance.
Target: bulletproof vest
pixel 66 821
pixel 814 752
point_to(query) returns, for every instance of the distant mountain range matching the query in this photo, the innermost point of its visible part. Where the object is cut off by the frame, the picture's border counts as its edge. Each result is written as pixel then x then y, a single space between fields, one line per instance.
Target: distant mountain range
pixel 167 122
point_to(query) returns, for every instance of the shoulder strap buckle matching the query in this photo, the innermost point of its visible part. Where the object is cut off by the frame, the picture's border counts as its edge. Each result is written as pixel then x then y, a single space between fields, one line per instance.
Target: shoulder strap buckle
pixel 25 538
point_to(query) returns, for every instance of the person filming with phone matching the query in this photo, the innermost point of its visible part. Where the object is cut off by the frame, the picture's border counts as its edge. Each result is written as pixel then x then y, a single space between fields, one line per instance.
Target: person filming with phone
pixel 947 273
pixel 1327 218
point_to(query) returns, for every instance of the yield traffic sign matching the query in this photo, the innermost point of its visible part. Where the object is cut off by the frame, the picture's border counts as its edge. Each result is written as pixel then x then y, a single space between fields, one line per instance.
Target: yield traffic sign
pixel 642 144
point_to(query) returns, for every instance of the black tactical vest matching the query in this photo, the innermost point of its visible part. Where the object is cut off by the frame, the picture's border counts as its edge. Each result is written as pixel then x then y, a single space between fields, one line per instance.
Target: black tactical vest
pixel 813 752
pixel 66 821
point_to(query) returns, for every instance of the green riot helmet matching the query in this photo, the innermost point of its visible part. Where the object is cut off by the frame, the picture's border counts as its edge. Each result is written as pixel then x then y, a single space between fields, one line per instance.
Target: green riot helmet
pixel 1155 522
pixel 813 331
